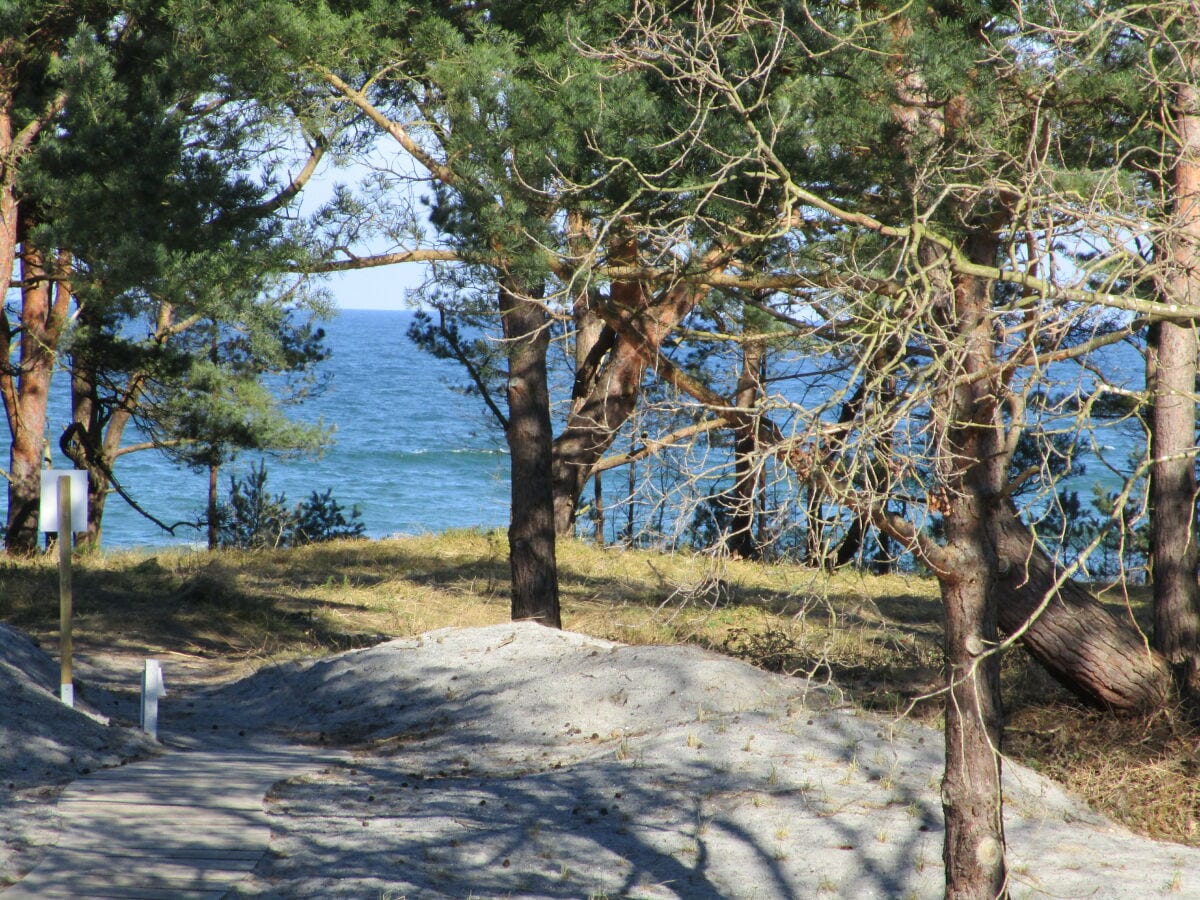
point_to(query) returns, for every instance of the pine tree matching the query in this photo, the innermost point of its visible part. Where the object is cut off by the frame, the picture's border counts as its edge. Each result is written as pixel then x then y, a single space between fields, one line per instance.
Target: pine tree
pixel 144 212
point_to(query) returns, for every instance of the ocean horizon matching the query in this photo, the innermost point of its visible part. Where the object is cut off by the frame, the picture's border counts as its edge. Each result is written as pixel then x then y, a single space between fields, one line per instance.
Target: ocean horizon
pixel 411 450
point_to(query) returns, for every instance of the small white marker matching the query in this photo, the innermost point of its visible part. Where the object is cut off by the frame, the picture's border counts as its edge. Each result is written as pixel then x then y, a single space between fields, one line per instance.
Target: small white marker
pixel 152 689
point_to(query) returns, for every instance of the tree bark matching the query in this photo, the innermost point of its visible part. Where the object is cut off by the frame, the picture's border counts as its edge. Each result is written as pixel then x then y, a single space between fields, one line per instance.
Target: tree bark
pixel 743 497
pixel 852 543
pixel 1101 658
pixel 530 440
pixel 972 800
pixel 598 486
pixel 609 377
pixel 970 470
pixel 815 550
pixel 1171 376
pixel 593 344
pixel 214 532
pixel 45 302
pixel 83 443
pixel 8 246
pixel 8 195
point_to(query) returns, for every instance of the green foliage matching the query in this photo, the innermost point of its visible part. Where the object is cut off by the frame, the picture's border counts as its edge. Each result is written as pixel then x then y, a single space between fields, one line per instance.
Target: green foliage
pixel 156 183
pixel 321 518
pixel 254 519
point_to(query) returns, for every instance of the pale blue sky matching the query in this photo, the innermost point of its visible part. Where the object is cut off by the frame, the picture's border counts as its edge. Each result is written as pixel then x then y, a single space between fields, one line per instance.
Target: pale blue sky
pixel 383 288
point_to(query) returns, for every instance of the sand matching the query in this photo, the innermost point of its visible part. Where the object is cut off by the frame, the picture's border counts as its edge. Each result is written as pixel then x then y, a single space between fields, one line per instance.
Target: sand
pixel 517 761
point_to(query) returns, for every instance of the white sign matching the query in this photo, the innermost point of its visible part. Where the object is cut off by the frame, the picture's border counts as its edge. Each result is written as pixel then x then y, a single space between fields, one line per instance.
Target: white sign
pixel 48 518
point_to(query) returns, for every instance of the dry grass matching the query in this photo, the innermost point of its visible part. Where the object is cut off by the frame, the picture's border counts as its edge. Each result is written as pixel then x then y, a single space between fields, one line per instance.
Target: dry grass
pixel 875 637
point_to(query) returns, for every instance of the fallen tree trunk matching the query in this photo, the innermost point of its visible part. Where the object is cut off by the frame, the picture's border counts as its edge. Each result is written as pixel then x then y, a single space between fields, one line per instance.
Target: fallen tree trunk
pixel 1103 659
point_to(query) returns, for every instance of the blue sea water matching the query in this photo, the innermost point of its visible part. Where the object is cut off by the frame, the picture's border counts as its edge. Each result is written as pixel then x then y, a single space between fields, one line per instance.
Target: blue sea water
pixel 411 452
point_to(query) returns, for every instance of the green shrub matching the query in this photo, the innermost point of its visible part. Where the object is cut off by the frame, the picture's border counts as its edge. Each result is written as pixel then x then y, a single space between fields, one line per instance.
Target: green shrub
pixel 253 519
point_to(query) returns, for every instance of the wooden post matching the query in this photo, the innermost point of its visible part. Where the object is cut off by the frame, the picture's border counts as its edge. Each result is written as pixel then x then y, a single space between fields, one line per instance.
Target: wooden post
pixel 64 590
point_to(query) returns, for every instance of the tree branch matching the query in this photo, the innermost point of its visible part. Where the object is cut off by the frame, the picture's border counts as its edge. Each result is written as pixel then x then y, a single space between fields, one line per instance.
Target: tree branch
pixel 440 172
pixel 382 259
pixel 320 145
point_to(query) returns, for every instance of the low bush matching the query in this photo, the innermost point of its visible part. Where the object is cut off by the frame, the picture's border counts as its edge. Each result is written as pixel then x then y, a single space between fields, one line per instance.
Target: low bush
pixel 252 519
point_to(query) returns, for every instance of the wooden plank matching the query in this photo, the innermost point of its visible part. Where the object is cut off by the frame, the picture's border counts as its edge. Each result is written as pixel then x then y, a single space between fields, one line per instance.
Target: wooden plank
pixel 150 866
pixel 161 852
pixel 248 802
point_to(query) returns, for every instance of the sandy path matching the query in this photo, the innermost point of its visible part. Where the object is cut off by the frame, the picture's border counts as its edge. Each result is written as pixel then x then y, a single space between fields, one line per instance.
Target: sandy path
pixel 517 761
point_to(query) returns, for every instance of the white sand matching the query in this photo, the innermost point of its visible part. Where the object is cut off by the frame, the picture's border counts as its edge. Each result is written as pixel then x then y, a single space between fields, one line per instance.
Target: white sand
pixel 516 761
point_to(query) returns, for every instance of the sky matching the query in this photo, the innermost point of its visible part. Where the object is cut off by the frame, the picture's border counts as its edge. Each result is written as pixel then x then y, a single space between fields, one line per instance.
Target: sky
pixel 383 288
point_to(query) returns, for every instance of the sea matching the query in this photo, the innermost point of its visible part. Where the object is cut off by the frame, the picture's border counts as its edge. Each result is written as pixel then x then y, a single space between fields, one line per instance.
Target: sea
pixel 411 451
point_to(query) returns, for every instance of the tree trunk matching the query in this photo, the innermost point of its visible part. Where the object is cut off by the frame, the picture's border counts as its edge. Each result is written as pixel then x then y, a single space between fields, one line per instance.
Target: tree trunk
pixel 743 497
pixel 8 195
pixel 815 550
pixel 1101 658
pixel 609 377
pixel 8 253
pixel 214 535
pixel 598 486
pixel 530 439
pixel 971 473
pixel 852 543
pixel 593 344
pixel 1172 361
pixel 972 800
pixel 629 505
pixel 45 302
pixel 83 443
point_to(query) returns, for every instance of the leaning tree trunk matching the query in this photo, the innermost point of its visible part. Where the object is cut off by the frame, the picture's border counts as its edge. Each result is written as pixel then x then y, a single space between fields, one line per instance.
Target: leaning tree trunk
pixel 82 443
pixel 530 439
pixel 593 344
pixel 1101 658
pixel 609 377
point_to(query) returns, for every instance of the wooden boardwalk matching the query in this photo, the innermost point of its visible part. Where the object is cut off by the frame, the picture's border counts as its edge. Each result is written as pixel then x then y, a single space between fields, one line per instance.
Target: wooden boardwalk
pixel 188 824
